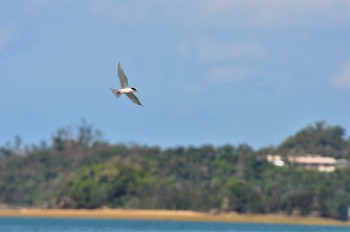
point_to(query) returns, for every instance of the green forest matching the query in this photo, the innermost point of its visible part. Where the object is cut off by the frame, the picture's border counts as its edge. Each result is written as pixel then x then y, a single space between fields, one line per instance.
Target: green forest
pixel 78 169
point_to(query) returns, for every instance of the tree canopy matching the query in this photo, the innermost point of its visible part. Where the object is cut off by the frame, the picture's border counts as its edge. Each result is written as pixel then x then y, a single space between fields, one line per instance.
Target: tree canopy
pixel 80 170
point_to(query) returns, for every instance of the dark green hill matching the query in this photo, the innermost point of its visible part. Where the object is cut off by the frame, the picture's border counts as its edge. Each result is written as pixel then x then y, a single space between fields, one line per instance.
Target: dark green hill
pixel 318 139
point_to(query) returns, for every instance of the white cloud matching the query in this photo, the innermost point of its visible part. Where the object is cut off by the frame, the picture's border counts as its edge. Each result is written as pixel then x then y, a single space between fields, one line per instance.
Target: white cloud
pixel 185 112
pixel 288 13
pixel 129 12
pixel 229 74
pixel 183 48
pixel 266 14
pixel 191 88
pixel 225 62
pixel 35 7
pixel 341 80
pixel 212 50
pixel 5 39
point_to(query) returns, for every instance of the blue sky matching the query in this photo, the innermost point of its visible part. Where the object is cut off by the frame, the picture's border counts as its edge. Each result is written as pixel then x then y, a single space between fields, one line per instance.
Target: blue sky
pixel 208 72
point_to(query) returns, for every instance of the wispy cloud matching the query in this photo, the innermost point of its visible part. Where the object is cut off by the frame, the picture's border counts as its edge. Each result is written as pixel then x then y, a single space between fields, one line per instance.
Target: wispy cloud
pixel 341 80
pixel 185 112
pixel 229 74
pixel 35 7
pixel 287 13
pixel 5 39
pixel 218 75
pixel 129 12
pixel 224 62
pixel 213 50
pixel 192 88
pixel 266 14
pixel 184 48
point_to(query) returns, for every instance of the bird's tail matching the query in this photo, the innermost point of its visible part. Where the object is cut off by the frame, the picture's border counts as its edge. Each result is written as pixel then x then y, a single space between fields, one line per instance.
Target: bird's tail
pixel 115 92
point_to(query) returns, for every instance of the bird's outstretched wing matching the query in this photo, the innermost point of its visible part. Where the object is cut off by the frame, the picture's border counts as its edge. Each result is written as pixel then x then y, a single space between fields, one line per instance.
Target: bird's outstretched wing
pixel 134 98
pixel 122 77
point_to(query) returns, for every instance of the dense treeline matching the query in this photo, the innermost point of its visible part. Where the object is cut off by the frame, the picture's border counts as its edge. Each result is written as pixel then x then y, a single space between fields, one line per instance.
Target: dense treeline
pixel 79 170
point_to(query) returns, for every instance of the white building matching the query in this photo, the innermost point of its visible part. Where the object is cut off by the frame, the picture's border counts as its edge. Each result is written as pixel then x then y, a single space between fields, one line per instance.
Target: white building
pixel 320 163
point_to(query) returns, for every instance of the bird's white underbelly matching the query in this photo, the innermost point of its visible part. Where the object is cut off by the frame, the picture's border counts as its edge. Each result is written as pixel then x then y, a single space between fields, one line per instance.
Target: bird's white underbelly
pixel 125 90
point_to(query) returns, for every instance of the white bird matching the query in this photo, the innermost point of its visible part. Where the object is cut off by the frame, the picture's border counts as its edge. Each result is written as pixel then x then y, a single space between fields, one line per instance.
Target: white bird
pixel 125 89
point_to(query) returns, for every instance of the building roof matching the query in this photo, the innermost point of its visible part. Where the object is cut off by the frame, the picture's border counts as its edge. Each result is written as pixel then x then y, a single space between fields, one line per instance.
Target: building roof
pixel 312 160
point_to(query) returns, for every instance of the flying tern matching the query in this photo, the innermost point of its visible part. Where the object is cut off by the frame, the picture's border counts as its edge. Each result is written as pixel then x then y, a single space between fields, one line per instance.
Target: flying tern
pixel 125 89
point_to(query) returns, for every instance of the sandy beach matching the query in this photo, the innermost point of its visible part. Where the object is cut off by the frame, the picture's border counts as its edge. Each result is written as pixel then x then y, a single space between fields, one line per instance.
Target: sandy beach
pixel 174 215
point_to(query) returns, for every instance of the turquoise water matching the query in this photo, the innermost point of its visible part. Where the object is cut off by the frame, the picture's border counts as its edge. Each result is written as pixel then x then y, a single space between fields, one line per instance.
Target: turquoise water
pixel 91 225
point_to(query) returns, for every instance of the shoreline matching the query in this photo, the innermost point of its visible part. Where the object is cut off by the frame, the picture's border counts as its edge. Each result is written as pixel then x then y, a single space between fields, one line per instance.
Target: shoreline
pixel 170 215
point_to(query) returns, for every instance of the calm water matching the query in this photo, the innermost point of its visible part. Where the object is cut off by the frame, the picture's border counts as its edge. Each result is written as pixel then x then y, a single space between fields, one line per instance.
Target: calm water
pixel 88 225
